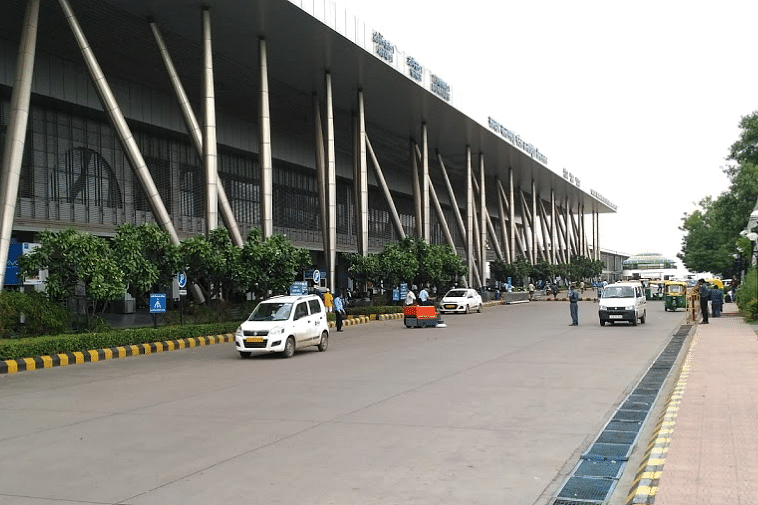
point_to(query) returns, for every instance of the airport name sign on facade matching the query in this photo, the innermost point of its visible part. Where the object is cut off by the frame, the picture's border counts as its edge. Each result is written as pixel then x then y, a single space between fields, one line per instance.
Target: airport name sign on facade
pixel 516 140
pixel 385 50
pixel 603 199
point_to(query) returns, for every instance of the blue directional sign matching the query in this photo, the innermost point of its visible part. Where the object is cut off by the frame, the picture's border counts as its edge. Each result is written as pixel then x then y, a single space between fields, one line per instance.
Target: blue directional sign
pixel 316 276
pixel 299 288
pixel 395 294
pixel 157 303
pixel 181 279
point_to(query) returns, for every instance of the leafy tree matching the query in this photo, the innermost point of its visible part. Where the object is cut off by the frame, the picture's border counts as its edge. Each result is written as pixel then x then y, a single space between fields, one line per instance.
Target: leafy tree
pixel 362 269
pixel 543 270
pixel 500 270
pixel 745 149
pixel 78 265
pixel 396 264
pixel 146 256
pixel 269 266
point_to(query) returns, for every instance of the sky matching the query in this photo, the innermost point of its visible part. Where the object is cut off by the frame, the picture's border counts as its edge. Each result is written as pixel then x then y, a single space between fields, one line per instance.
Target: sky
pixel 640 100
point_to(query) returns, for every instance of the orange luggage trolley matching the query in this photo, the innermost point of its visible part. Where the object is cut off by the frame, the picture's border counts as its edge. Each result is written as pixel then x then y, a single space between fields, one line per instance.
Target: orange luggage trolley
pixel 420 316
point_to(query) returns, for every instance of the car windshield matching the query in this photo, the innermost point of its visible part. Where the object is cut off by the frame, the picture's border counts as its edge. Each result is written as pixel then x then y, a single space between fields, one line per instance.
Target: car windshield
pixel 456 293
pixel 676 289
pixel 618 292
pixel 271 311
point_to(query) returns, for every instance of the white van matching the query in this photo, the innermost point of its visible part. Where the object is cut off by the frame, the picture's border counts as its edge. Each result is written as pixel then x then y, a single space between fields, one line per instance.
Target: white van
pixel 623 301
pixel 284 324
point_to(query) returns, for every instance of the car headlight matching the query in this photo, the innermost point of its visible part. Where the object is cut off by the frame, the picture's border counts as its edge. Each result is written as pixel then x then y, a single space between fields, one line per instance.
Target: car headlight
pixel 630 307
pixel 603 309
pixel 238 332
pixel 276 330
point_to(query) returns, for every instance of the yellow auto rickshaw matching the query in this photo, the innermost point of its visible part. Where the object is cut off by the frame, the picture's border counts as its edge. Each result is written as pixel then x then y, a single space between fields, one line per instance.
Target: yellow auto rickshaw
pixel 675 295
pixel 715 282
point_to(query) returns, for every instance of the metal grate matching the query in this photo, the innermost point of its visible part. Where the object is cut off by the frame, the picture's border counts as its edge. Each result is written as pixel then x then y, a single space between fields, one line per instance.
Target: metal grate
pixel 610 469
pixel 617 437
pixel 584 488
pixel 617 452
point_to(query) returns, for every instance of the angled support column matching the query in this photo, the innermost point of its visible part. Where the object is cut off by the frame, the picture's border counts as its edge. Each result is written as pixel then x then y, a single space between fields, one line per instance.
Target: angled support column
pixel 545 232
pixel 195 133
pixel 569 233
pixel 453 200
pixel 386 190
pixel 534 223
pixel 489 226
pixel 13 151
pixel 501 208
pixel 210 149
pixel 553 236
pixel 264 146
pixel 362 196
pixel 436 203
pixel 425 184
pixel 418 203
pixel 123 132
pixel 527 221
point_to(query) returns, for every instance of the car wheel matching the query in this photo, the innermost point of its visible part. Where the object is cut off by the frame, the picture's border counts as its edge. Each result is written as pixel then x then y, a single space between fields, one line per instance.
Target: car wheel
pixel 244 354
pixel 468 309
pixel 602 322
pixel 644 315
pixel 479 309
pixel 324 342
pixel 289 348
pixel 634 320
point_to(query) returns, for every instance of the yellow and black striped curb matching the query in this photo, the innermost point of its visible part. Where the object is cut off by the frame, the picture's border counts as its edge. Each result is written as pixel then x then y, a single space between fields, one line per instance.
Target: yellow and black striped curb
pixel 74 358
pixel 563 299
pixel 645 485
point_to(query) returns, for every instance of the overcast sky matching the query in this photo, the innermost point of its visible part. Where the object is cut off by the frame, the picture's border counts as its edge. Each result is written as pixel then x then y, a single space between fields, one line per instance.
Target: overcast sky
pixel 640 100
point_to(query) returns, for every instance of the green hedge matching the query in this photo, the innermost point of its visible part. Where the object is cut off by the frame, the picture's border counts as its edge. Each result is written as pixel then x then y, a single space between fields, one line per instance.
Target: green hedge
pixel 50 345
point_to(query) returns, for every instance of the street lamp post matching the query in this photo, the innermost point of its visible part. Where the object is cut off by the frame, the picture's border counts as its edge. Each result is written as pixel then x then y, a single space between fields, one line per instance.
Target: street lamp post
pixel 753 237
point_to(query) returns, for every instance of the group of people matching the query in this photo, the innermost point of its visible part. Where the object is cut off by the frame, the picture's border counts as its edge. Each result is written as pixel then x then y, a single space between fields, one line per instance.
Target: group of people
pixel 423 297
pixel 716 297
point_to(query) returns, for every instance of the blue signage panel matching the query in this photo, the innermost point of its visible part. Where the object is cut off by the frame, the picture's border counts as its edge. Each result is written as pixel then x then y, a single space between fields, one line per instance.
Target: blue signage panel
pixel 157 303
pixel 395 294
pixel 299 288
pixel 181 279
pixel 12 277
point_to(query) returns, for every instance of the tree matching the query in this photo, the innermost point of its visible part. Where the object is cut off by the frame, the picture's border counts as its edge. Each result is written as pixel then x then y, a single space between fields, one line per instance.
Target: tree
pixel 396 264
pixel 78 265
pixel 745 149
pixel 146 256
pixel 269 266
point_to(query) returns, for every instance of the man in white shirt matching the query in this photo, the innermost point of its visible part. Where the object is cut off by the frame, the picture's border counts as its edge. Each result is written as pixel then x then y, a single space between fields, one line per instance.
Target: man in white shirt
pixel 410 298
pixel 423 296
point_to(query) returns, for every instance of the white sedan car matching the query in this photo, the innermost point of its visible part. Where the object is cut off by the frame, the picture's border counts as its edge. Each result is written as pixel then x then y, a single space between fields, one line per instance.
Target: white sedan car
pixel 461 300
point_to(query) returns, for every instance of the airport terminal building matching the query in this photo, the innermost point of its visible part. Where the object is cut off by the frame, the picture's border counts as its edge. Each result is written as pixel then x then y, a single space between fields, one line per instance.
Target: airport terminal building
pixel 293 117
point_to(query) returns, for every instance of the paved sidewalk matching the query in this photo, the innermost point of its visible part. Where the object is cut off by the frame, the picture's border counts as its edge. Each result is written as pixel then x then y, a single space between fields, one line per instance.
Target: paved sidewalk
pixel 712 457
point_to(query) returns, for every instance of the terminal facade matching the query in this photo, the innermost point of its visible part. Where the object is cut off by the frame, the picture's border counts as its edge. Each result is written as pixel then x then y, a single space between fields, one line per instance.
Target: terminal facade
pixel 287 116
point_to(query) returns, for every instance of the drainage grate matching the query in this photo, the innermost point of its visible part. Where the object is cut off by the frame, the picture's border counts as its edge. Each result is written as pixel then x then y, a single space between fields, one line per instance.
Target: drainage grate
pixel 617 437
pixel 596 468
pixel 585 488
pixel 615 452
pixel 599 469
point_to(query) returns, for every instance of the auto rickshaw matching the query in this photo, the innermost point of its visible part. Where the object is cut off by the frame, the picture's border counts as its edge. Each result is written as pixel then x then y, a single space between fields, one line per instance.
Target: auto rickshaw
pixel 675 295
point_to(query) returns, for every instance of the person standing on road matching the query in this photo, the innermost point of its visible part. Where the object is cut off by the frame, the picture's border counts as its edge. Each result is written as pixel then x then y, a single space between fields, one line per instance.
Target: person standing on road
pixel 328 300
pixel 573 296
pixel 704 294
pixel 339 311
pixel 423 296
pixel 531 291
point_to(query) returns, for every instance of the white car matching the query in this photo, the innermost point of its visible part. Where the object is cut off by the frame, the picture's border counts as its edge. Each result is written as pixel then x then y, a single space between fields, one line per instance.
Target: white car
pixel 461 300
pixel 284 324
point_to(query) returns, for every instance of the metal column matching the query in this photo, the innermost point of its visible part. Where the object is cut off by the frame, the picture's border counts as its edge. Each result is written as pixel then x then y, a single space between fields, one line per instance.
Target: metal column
pixel 453 200
pixel 427 217
pixel 331 186
pixel 534 222
pixel 210 155
pixel 483 217
pixel 386 190
pixel 417 197
pixel 318 142
pixel 553 235
pixel 512 208
pixel 195 133
pixel 121 128
pixel 469 218
pixel 13 151
pixel 362 197
pixel 264 139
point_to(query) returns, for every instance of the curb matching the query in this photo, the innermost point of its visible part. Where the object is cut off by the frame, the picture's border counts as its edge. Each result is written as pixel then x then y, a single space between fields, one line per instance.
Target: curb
pixel 645 484
pixel 74 358
pixel 10 366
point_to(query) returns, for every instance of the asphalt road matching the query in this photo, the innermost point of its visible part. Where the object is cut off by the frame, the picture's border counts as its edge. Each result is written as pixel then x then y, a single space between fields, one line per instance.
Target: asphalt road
pixel 494 409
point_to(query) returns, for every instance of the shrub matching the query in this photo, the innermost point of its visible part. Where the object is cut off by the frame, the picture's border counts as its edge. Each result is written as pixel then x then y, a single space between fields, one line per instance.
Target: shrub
pixel 41 316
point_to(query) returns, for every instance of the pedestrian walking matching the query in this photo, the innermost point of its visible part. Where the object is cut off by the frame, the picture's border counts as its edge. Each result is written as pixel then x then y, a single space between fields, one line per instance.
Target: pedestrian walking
pixel 573 296
pixel 339 311
pixel 717 301
pixel 704 294
pixel 328 300
pixel 531 291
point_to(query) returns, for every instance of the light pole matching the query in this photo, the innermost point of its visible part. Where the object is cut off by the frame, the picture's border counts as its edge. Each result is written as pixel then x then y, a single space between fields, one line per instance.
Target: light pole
pixel 753 237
